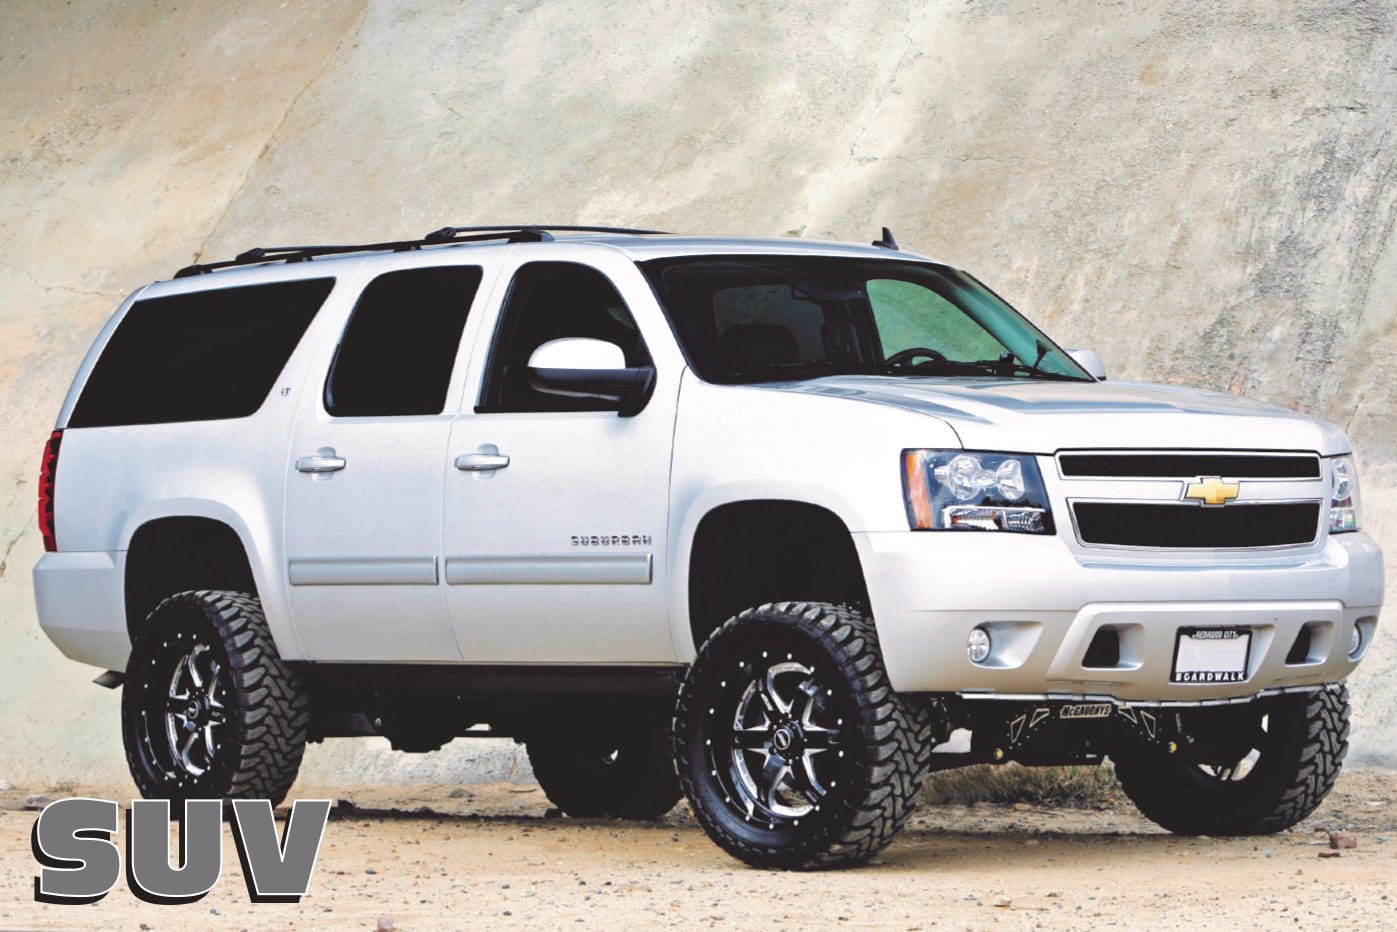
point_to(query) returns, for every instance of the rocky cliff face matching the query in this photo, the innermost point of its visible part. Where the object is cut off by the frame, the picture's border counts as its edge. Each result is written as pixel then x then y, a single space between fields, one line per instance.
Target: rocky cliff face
pixel 1204 192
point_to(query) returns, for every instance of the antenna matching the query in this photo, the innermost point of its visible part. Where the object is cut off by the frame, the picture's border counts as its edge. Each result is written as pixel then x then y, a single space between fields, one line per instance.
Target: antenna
pixel 887 242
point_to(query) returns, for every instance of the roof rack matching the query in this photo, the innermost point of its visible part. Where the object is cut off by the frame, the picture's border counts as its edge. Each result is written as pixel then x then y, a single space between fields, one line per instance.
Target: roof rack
pixel 518 233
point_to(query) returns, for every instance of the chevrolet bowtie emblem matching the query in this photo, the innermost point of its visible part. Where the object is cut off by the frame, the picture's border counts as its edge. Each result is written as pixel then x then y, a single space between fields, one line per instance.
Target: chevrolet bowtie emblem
pixel 1211 490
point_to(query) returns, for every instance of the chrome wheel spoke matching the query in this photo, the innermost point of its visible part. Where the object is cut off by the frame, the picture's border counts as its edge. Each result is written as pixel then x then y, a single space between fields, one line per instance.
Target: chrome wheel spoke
pixel 813 789
pixel 212 686
pixel 751 739
pixel 812 699
pixel 819 739
pixel 185 747
pixel 209 746
pixel 191 668
pixel 771 697
pixel 774 773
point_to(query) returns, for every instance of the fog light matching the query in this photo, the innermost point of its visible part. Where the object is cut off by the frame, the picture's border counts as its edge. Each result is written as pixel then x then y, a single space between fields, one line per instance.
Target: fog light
pixel 1355 641
pixel 977 645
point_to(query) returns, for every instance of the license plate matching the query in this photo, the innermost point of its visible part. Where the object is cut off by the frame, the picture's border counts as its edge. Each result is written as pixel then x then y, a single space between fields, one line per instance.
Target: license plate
pixel 1211 655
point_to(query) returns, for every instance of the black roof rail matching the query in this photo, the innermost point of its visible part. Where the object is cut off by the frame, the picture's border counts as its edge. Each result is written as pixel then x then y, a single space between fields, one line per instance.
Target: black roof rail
pixel 511 233
pixel 451 234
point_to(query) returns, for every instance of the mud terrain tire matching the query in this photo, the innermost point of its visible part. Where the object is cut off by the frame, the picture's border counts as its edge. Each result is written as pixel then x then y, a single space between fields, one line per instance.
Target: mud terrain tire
pixel 209 709
pixel 626 776
pixel 1306 740
pixel 790 743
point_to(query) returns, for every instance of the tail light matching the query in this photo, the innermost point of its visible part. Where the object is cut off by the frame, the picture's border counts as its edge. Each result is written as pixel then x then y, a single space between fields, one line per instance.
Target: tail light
pixel 48 472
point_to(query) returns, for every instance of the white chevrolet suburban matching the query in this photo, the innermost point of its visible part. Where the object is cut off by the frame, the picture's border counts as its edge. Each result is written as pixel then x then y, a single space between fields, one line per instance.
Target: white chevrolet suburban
pixel 758 521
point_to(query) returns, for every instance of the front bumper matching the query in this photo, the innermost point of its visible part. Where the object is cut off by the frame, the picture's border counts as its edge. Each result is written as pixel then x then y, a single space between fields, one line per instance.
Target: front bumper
pixel 1044 602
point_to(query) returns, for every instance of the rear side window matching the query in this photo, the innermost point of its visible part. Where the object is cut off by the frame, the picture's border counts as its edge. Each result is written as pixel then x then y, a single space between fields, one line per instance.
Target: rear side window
pixel 396 354
pixel 202 356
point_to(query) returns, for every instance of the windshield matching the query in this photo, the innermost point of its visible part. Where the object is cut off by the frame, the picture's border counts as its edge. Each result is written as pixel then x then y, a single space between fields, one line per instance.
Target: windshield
pixel 757 318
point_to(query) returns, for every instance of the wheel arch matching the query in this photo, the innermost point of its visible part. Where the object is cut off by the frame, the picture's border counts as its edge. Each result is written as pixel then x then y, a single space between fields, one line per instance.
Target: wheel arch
pixel 183 546
pixel 748 551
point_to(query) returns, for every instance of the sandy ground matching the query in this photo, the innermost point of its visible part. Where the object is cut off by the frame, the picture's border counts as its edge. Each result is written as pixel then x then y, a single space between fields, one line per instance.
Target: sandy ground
pixel 456 857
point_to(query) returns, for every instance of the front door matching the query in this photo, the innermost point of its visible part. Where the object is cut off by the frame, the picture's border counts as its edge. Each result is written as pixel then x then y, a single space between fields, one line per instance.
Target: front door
pixel 364 476
pixel 556 508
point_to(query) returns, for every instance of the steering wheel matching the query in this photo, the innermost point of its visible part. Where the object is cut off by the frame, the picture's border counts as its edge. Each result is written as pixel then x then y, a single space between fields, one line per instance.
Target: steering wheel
pixel 905 357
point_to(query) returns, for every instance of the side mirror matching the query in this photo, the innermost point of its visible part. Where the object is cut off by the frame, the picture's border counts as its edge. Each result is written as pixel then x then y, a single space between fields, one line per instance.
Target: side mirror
pixel 1089 360
pixel 582 367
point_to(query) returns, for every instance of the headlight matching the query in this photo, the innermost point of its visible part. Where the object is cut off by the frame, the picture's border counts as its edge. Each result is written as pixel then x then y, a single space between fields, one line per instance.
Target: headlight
pixel 956 490
pixel 1343 501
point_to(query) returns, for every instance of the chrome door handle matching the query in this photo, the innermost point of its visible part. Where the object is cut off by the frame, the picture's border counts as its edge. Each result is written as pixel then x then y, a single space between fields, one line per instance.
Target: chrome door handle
pixel 323 460
pixel 481 462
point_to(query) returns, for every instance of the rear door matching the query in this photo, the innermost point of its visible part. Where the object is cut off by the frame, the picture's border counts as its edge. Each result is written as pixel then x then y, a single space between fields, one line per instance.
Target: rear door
pixel 558 555
pixel 364 475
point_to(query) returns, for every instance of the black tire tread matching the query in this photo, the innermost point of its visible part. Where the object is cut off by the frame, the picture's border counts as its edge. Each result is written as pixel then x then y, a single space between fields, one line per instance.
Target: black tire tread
pixel 641 785
pixel 1313 774
pixel 271 711
pixel 899 736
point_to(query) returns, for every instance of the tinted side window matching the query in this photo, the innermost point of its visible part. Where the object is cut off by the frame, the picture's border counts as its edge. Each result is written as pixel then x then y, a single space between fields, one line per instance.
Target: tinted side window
pixel 549 301
pixel 200 356
pixel 396 353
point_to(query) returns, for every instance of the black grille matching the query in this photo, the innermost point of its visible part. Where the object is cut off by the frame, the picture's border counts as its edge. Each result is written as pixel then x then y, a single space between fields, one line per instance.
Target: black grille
pixel 1122 524
pixel 1182 465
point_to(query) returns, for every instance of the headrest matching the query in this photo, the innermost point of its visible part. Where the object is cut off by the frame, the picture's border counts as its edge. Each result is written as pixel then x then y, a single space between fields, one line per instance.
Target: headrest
pixel 750 346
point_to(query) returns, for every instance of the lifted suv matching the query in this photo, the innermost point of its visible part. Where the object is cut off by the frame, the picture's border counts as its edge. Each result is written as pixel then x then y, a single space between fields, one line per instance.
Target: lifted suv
pixel 761 521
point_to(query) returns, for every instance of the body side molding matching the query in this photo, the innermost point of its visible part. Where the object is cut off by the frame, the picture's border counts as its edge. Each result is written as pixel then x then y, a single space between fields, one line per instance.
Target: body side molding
pixel 363 571
pixel 551 569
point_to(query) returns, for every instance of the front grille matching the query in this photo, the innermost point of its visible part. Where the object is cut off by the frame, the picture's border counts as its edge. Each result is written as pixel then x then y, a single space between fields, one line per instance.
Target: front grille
pixel 1175 465
pixel 1130 524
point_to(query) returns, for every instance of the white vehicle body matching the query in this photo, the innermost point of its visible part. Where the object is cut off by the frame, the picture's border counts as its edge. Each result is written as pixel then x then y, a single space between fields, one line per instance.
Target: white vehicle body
pixel 579 551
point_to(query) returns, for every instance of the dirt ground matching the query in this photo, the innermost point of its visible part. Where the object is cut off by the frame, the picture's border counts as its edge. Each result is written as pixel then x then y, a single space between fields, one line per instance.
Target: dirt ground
pixel 458 857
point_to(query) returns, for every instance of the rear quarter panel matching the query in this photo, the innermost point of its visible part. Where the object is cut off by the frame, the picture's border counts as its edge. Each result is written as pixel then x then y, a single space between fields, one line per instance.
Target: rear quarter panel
pixel 112 480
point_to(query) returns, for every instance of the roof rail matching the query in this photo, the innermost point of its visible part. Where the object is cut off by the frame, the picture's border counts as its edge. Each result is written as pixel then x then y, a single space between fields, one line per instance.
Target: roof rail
pixel 451 234
pixel 516 233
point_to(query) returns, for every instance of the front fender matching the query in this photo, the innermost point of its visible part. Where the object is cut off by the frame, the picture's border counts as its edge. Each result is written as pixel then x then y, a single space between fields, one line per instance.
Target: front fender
pixel 738 443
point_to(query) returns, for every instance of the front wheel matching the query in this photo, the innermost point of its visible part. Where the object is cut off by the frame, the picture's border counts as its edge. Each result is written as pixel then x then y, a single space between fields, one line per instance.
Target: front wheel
pixel 1252 769
pixel 790 743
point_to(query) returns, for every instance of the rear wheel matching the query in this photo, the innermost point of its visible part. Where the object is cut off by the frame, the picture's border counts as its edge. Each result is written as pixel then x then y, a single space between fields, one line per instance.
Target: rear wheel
pixel 209 709
pixel 626 774
pixel 791 745
pixel 1242 770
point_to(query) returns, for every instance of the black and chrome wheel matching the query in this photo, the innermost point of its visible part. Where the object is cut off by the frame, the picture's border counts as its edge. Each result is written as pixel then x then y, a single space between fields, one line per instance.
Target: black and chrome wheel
pixel 196 722
pixel 209 710
pixel 792 747
pixel 1249 769
pixel 625 772
pixel 784 753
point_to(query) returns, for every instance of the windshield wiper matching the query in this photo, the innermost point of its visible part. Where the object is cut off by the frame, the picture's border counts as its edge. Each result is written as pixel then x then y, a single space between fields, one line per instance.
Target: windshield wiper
pixel 1008 367
pixel 1038 360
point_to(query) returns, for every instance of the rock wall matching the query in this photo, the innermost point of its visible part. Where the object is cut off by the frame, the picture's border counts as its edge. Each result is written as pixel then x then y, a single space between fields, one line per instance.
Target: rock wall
pixel 1206 192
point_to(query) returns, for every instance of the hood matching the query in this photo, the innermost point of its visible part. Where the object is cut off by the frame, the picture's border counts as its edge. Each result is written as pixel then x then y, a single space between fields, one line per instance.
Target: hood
pixel 1031 416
